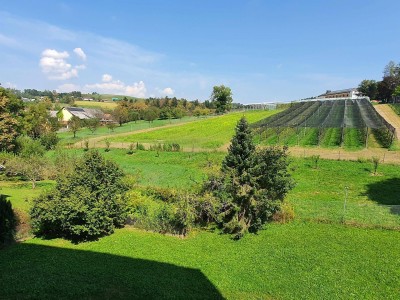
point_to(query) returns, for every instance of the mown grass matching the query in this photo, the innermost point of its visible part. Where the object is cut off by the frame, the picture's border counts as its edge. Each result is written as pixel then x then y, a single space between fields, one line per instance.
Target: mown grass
pixel 291 261
pixel 372 201
pixel 205 134
pixel 66 137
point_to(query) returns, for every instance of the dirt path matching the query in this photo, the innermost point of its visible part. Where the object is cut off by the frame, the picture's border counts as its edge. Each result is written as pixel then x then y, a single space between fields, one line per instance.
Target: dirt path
pixel 387 112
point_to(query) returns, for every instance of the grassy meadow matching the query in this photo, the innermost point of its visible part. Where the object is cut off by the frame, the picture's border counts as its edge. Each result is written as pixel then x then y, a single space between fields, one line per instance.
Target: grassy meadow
pixel 67 137
pixel 206 134
pixel 96 104
pixel 342 244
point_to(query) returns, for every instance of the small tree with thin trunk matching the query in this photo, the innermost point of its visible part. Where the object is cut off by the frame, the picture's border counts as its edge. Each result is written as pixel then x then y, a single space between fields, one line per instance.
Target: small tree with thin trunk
pixel 74 125
pixel 375 162
pixel 93 124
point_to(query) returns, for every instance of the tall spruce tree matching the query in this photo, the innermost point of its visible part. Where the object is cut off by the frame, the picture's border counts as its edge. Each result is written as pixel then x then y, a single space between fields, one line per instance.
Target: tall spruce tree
pixel 239 184
pixel 252 183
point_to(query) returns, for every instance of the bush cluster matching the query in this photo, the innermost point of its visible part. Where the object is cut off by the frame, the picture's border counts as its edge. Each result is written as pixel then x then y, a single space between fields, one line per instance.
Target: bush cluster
pixel 85 204
pixel 170 147
pixel 8 222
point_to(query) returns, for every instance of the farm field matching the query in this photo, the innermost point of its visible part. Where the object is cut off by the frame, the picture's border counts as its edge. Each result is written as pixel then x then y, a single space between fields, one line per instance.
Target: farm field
pixel 353 124
pixel 96 104
pixel 207 134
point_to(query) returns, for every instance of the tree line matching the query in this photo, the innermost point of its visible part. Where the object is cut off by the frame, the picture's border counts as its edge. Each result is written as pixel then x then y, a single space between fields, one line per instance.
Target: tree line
pixel 385 90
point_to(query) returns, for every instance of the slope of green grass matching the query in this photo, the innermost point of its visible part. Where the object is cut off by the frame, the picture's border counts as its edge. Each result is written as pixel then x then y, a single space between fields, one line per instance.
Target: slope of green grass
pixel 372 201
pixel 292 261
pixel 206 134
pixel 66 137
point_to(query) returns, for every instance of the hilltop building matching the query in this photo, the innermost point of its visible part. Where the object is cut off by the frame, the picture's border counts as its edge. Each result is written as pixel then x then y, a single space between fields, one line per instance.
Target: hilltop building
pixel 346 93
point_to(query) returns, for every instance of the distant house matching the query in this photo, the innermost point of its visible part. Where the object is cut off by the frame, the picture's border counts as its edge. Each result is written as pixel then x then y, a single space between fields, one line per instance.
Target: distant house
pixel 82 113
pixel 66 114
pixel 27 99
pixel 346 93
pixel 115 99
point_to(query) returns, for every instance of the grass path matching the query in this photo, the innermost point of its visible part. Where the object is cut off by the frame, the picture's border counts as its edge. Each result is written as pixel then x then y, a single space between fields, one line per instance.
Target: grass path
pixel 389 115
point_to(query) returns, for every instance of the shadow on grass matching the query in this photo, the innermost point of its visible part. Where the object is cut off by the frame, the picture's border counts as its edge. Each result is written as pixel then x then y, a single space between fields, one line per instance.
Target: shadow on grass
pixel 41 272
pixel 386 192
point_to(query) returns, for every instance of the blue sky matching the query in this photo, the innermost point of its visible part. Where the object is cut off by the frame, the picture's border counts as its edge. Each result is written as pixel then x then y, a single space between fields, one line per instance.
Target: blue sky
pixel 263 50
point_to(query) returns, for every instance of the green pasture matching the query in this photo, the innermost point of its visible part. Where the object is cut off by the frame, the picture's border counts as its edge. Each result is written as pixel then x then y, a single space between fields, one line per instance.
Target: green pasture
pixel 67 137
pixel 96 104
pixel 206 134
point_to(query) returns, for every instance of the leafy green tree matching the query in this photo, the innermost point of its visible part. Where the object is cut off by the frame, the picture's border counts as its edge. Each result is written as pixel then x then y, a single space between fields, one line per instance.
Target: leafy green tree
pixel 151 114
pixel 178 113
pixel 37 120
pixel 396 92
pixel 74 125
pixel 121 114
pixel 134 116
pixel 11 113
pixel 88 203
pixel 93 124
pixel 30 162
pixel 111 126
pixel 368 88
pixel 390 81
pixel 221 98
pixel 49 140
pixel 251 184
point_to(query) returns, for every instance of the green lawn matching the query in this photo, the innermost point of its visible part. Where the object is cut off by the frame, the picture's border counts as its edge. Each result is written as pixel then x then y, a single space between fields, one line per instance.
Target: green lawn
pixel 292 261
pixel 373 201
pixel 206 134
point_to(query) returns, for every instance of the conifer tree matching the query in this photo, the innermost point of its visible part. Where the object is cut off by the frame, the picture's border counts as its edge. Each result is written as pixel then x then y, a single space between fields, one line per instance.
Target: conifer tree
pixel 252 183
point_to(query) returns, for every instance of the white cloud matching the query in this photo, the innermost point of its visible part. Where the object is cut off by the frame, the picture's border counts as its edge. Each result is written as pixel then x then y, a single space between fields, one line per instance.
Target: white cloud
pixel 80 53
pixel 55 54
pixel 54 64
pixel 109 86
pixel 68 87
pixel 106 78
pixel 138 89
pixel 168 91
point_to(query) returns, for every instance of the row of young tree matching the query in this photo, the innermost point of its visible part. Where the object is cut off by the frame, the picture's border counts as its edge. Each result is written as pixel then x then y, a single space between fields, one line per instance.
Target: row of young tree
pixel 385 90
